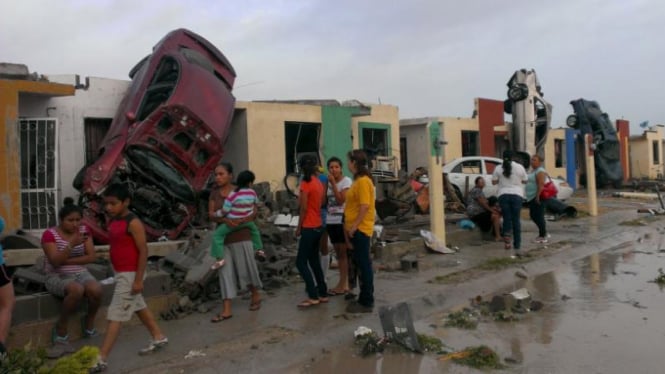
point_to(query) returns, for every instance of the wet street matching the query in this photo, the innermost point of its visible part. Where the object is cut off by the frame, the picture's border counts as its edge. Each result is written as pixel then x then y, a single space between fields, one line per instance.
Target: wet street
pixel 602 314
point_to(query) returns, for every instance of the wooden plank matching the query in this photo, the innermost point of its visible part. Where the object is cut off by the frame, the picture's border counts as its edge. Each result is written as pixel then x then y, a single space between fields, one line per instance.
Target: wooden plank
pixel 28 256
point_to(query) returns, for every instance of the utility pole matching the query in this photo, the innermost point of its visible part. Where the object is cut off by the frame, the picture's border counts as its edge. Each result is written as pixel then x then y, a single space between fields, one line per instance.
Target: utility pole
pixel 589 148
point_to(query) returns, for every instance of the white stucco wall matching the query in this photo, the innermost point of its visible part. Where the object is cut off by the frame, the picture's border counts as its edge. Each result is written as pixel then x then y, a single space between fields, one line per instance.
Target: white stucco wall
pixel 100 99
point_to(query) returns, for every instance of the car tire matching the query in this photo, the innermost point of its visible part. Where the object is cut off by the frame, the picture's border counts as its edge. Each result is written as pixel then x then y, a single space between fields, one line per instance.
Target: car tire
pixel 571 121
pixel 518 92
pixel 508 106
pixel 458 192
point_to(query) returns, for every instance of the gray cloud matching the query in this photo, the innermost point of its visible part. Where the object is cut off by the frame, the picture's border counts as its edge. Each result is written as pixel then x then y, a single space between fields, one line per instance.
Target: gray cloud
pixel 427 57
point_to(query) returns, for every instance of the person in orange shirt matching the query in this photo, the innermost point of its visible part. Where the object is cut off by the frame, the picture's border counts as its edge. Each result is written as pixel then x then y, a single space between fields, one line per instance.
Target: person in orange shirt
pixel 310 229
pixel 359 214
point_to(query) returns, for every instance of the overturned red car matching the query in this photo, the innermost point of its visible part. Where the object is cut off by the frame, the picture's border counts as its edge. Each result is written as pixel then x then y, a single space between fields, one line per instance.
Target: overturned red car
pixel 166 137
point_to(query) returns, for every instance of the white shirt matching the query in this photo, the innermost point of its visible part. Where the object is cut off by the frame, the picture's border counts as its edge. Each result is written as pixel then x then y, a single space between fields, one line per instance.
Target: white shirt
pixel 514 185
pixel 336 210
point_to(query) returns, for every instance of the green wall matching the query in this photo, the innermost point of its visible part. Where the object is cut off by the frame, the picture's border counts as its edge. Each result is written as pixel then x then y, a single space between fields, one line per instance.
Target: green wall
pixel 337 135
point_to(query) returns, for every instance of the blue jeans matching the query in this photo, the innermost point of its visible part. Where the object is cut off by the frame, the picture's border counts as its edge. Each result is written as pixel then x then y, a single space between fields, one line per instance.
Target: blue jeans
pixel 511 205
pixel 360 243
pixel 537 214
pixel 308 253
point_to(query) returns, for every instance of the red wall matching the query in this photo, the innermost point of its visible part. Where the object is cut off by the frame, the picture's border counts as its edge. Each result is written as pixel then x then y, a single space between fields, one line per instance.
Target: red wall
pixel 623 132
pixel 490 114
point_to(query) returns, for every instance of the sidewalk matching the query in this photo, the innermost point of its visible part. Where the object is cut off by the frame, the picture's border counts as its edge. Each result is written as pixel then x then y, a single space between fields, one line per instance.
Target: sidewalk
pixel 280 338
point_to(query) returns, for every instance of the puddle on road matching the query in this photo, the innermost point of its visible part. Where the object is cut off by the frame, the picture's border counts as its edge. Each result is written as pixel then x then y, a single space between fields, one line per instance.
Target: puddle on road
pixel 602 315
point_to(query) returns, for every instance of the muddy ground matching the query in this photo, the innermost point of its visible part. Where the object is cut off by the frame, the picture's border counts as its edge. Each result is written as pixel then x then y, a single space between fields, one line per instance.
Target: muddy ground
pixel 282 339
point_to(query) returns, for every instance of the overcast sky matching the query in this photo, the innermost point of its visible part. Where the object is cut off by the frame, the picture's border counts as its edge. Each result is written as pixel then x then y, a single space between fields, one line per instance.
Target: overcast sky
pixel 428 57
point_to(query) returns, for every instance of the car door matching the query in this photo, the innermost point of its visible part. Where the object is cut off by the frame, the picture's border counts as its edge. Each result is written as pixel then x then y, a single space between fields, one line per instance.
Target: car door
pixel 488 168
pixel 464 174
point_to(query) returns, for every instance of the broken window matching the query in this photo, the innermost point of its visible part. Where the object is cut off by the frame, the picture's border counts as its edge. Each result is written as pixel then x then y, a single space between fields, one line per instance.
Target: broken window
pixel 95 130
pixel 656 153
pixel 160 88
pixel 375 142
pixel 470 143
pixel 559 153
pixel 468 167
pixel 403 154
pixel 300 138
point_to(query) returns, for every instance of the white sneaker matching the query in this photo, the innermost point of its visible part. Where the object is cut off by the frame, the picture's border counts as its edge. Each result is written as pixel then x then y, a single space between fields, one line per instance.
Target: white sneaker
pixel 217 264
pixel 541 240
pixel 100 366
pixel 154 346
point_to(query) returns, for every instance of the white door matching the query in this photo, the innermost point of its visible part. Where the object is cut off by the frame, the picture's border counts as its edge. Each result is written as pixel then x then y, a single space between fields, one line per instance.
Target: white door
pixel 38 144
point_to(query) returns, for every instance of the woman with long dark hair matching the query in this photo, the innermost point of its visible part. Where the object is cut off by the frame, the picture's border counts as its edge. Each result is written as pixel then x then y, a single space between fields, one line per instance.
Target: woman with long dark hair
pixel 310 229
pixel 359 214
pixel 511 177
pixel 68 248
pixel 336 195
pixel 537 205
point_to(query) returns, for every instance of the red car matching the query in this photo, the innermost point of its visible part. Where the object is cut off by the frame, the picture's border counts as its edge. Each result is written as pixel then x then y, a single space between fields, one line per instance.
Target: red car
pixel 166 137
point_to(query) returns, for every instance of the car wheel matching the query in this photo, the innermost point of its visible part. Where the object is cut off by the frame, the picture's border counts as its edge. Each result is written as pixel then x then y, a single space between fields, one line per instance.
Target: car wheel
pixel 459 194
pixel 571 121
pixel 518 92
pixel 508 106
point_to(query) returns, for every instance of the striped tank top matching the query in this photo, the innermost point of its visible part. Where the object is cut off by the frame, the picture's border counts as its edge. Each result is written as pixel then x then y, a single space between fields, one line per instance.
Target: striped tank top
pixel 52 236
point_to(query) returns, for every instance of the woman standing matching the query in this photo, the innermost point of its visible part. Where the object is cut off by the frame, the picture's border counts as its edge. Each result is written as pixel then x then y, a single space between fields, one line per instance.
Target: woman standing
pixel 309 230
pixel 240 270
pixel 68 247
pixel 536 205
pixel 359 214
pixel 338 185
pixel 510 176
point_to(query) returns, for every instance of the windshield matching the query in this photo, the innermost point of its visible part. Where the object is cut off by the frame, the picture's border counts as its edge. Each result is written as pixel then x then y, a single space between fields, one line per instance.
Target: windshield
pixel 161 173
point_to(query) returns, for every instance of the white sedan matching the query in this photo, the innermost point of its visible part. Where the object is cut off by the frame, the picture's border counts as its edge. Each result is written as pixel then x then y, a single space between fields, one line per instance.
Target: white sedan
pixel 462 173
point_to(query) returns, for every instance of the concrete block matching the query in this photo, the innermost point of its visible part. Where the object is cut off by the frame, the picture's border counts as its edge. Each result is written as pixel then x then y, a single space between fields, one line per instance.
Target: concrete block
pixel 279 268
pixel 201 272
pixel 28 281
pixel 178 261
pixel 409 263
pixel 48 306
pixel 157 283
pixel 25 310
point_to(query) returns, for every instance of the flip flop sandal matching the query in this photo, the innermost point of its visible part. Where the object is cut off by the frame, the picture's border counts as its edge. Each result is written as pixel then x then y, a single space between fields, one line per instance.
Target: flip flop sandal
pixel 220 318
pixel 323 300
pixel 255 306
pixel 308 303
pixel 336 293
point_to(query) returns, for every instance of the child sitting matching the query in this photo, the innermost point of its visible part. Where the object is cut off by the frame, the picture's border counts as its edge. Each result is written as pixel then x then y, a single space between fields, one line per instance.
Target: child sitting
pixel 239 205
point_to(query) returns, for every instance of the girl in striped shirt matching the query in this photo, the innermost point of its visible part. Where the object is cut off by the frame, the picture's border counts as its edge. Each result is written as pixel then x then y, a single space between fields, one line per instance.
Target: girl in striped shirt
pixel 68 248
pixel 240 205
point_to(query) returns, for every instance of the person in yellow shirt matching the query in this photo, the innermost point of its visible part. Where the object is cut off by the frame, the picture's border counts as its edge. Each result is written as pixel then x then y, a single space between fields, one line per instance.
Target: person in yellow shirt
pixel 359 214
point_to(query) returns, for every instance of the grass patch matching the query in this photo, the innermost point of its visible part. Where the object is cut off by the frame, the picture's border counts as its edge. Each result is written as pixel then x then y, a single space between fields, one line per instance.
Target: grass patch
pixel 430 343
pixel 660 279
pixel 464 319
pixel 480 357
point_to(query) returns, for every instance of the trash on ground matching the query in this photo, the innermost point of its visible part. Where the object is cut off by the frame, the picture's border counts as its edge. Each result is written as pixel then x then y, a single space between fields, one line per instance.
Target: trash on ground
pixel 464 319
pixel 194 353
pixel 434 244
pixel 479 357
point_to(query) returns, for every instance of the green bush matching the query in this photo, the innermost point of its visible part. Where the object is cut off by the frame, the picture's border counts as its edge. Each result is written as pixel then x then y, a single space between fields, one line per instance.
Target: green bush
pixel 29 360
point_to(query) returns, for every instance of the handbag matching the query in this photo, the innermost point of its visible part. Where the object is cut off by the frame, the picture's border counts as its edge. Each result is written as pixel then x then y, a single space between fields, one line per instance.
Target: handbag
pixel 549 190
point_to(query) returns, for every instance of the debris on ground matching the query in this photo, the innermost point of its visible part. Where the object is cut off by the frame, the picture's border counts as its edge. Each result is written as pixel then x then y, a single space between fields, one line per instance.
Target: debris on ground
pixel 660 279
pixel 430 343
pixel 479 357
pixel 194 353
pixel 464 319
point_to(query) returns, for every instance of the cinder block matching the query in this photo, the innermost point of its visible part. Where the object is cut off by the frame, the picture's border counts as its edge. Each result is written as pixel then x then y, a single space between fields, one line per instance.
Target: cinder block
pixel 25 310
pixel 201 272
pixel 49 306
pixel 157 283
pixel 28 281
pixel 279 268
